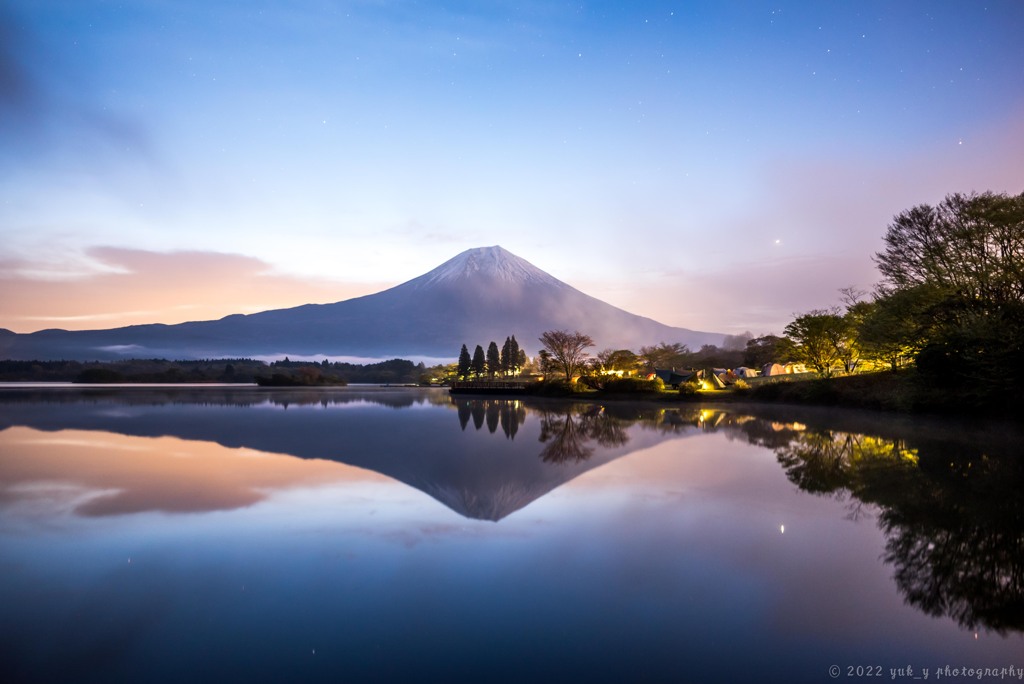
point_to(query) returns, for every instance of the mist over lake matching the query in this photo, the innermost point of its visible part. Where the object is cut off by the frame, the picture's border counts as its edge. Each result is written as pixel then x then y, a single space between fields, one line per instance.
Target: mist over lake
pixel 326 535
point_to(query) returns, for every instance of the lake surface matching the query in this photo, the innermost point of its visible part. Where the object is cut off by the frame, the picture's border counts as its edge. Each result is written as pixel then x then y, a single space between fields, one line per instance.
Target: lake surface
pixel 214 534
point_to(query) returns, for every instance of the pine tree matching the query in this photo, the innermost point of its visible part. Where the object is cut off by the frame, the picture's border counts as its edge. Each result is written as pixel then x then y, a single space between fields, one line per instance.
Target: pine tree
pixel 479 365
pixel 506 357
pixel 493 358
pixel 465 363
pixel 513 356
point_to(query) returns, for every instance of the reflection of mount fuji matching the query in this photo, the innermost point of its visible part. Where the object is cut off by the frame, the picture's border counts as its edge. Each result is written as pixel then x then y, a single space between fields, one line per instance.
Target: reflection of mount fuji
pixel 946 495
pixel 488 459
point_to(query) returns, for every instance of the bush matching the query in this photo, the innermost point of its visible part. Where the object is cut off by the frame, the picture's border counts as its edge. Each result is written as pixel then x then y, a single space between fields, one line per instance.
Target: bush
pixel 689 389
pixel 554 388
pixel 633 385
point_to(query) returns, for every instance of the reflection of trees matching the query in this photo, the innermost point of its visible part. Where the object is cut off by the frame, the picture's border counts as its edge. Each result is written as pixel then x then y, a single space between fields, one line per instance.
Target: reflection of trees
pixel 509 414
pixel 512 419
pixel 567 433
pixel 952 512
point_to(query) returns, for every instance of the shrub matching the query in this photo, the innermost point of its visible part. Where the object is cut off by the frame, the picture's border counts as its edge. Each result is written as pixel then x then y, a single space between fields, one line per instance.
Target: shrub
pixel 633 385
pixel 554 388
pixel 689 389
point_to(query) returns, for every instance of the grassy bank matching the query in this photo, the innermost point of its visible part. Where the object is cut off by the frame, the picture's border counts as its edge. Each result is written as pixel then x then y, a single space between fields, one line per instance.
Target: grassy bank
pixel 903 392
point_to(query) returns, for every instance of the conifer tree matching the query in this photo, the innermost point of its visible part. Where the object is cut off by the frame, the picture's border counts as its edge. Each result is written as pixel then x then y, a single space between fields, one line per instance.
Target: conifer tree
pixel 506 357
pixel 465 363
pixel 479 365
pixel 493 359
pixel 513 356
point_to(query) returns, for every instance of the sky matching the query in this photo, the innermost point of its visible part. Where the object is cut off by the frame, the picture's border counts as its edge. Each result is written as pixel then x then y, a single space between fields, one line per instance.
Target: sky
pixel 713 165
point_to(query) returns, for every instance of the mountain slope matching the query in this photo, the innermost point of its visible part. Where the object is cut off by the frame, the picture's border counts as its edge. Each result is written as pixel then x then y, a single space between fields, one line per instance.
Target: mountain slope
pixel 480 295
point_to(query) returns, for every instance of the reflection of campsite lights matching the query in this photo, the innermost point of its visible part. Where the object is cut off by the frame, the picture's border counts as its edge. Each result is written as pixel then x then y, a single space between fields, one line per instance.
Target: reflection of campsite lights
pixel 703 416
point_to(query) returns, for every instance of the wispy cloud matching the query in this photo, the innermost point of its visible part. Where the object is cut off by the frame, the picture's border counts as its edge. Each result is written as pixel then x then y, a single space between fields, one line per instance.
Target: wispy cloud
pixel 131 286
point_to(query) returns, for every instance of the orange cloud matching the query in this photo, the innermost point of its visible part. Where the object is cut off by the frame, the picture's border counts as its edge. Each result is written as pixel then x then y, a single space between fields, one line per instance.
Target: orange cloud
pixel 130 286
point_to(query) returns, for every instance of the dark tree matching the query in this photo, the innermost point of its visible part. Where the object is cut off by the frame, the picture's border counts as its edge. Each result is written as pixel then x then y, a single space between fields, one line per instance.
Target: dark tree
pixel 567 349
pixel 513 356
pixel 479 363
pixel 817 336
pixel 768 349
pixel 493 359
pixel 465 363
pixel 962 263
pixel 619 360
pixel 665 355
pixel 971 246
pixel 506 356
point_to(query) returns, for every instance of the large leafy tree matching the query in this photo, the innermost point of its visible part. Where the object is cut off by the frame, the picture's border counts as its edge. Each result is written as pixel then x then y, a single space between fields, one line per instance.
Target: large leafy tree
pixel 768 349
pixel 664 355
pixel 817 337
pixel 619 360
pixel 895 327
pixel 567 350
pixel 953 285
pixel 970 246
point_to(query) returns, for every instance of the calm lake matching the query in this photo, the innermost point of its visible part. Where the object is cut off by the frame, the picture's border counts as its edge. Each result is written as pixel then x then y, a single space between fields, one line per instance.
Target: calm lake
pixel 243 535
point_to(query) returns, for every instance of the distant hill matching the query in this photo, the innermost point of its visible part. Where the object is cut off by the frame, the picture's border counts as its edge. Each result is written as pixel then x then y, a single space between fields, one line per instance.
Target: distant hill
pixel 480 295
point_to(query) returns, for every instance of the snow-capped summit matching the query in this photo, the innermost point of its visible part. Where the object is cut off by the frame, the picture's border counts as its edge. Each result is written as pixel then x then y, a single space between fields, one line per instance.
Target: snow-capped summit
pixel 492 263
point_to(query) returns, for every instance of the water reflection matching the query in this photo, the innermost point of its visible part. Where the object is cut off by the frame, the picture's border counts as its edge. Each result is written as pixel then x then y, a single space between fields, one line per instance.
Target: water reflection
pixel 952 513
pixel 948 499
pixel 469 472
pixel 567 434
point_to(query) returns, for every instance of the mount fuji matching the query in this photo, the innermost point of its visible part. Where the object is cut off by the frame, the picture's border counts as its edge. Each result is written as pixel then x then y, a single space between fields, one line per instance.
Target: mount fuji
pixel 479 295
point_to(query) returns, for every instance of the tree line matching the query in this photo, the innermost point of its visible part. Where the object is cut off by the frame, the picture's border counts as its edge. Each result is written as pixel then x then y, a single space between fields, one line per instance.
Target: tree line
pixel 950 306
pixel 286 371
pixel 507 361
pixel 950 303
pixel 565 353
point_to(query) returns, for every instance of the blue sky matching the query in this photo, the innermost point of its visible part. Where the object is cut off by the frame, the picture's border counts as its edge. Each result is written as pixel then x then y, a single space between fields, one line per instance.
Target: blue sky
pixel 719 166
